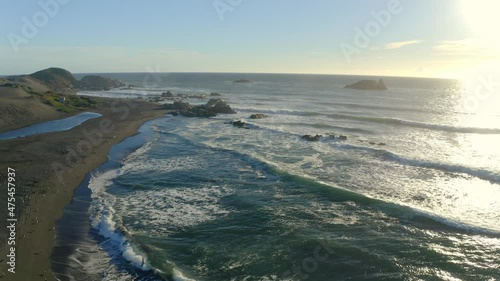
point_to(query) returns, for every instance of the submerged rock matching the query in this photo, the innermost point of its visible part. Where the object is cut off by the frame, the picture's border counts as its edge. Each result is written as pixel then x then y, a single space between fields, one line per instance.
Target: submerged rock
pixel 368 85
pixel 311 137
pixel 239 123
pixel 258 116
pixel 168 94
pixel 242 81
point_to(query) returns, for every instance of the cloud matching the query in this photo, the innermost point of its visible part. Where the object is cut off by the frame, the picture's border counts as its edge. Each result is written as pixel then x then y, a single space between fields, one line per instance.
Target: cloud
pixel 469 47
pixel 401 44
pixel 461 46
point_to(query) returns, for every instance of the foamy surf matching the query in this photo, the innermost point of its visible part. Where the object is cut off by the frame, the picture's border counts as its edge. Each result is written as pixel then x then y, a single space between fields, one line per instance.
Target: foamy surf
pixel 103 219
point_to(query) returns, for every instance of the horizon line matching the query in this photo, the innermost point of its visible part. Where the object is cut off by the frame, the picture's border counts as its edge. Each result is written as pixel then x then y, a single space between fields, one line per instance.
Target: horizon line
pixel 224 72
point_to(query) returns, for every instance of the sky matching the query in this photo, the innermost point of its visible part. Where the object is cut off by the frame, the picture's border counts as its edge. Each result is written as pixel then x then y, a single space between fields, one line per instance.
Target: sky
pixel 425 38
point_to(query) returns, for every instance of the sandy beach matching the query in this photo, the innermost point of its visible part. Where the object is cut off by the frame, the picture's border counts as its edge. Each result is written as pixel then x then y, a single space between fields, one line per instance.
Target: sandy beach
pixel 50 166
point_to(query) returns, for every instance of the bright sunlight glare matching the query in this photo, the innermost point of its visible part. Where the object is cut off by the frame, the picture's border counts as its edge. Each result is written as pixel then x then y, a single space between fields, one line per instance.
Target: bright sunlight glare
pixel 483 19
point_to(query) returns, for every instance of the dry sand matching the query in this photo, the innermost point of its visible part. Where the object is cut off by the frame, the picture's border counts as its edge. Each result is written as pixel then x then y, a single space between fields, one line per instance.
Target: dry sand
pixel 32 158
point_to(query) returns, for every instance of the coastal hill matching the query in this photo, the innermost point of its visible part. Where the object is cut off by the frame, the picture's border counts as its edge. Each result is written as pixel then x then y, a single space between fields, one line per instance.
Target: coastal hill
pixel 61 80
pixel 56 78
pixel 46 95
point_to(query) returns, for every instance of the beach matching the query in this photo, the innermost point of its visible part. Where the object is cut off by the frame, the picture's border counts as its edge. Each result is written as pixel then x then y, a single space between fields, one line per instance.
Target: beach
pixel 41 166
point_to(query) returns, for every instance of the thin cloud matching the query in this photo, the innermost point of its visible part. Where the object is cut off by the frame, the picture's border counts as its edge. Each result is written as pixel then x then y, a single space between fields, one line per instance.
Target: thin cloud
pixel 466 47
pixel 401 44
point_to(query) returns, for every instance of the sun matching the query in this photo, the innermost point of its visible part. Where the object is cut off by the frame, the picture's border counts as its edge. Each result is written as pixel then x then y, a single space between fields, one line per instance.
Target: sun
pixel 483 18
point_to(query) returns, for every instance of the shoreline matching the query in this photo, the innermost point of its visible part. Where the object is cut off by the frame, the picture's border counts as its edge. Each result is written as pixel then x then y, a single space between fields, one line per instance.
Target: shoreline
pixel 52 189
pixel 76 238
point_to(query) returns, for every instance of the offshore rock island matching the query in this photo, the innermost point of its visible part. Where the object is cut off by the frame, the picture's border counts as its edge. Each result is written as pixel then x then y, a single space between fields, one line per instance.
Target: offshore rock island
pixel 368 85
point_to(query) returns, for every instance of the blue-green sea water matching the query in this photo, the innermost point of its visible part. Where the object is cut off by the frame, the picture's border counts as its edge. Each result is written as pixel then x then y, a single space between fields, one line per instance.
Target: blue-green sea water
pixel 412 194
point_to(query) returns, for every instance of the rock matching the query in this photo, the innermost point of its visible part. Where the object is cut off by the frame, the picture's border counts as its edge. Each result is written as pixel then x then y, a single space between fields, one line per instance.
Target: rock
pixel 312 138
pixel 220 106
pixel 215 95
pixel 368 85
pixel 242 81
pixel 177 105
pixel 212 102
pixel 211 109
pixel 239 124
pixel 199 111
pixel 341 137
pixel 168 94
pixel 382 143
pixel 202 96
pixel 258 116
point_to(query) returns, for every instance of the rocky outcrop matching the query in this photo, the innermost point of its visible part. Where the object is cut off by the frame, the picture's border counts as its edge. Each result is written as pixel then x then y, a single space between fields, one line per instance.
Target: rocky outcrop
pixel 368 85
pixel 215 95
pixel 98 83
pixel 168 94
pixel 311 137
pixel 220 106
pixel 211 109
pixel 258 116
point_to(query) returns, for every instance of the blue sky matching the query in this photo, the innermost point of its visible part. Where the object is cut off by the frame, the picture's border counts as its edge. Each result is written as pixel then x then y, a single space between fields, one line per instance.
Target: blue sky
pixel 423 38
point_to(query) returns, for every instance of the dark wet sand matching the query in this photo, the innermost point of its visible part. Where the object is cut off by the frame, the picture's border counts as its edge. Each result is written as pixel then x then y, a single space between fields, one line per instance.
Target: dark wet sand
pixel 48 192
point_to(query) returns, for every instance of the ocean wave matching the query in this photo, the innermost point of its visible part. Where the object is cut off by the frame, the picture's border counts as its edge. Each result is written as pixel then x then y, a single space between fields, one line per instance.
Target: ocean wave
pixel 395 209
pixel 455 224
pixel 390 156
pixel 445 167
pixel 376 119
pixel 325 126
pixel 108 224
pixel 103 219
pixel 379 107
pixel 474 172
pixel 400 122
pixel 283 111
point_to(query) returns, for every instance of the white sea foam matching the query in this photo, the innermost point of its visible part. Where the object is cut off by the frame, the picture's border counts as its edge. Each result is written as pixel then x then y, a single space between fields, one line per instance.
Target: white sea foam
pixel 168 210
pixel 105 220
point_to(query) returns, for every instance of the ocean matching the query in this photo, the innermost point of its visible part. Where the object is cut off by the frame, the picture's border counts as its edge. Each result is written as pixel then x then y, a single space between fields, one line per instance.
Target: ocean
pixel 412 194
